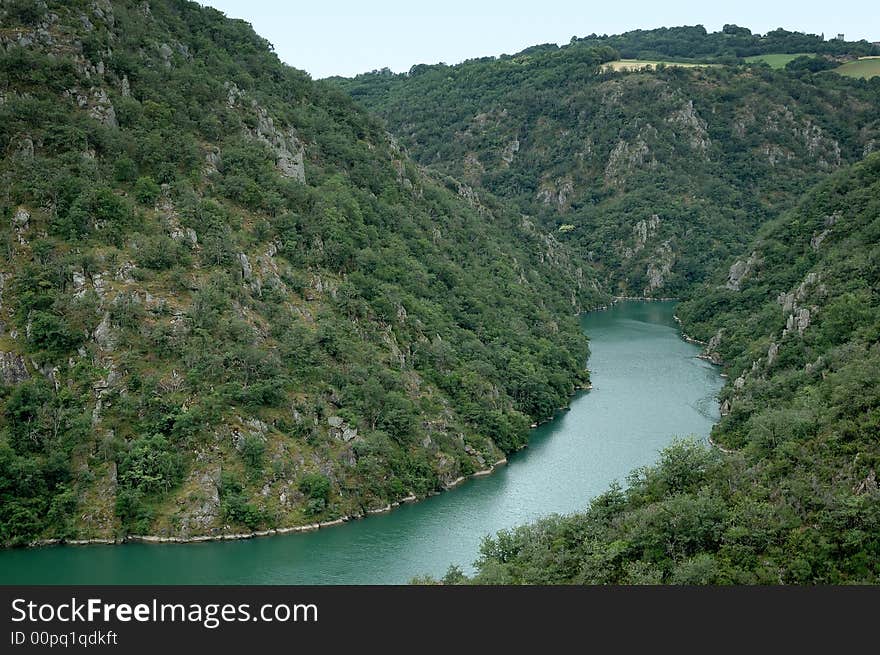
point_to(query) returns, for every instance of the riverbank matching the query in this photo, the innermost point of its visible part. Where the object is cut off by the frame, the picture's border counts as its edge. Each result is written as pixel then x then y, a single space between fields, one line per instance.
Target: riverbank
pixel 617 299
pixel 271 532
pixel 704 356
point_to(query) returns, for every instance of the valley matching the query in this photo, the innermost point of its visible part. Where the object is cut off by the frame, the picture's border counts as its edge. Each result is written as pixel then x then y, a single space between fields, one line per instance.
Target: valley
pixel 235 300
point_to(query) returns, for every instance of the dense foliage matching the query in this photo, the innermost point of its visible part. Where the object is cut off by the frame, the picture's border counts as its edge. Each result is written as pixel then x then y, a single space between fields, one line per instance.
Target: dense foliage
pixel 228 298
pixel 794 496
pixel 731 43
pixel 654 176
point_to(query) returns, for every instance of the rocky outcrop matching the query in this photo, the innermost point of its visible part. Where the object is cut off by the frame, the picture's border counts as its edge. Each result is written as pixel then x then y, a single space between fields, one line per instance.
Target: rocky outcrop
pixel 740 270
pixel 340 429
pixel 817 239
pixel 201 509
pixel 799 317
pixel 20 223
pixel 103 334
pixel 659 267
pixel 556 193
pixel 642 232
pixel 625 157
pixel 289 150
pixel 799 320
pixel 101 109
pixel 509 151
pixel 12 368
pixel 694 128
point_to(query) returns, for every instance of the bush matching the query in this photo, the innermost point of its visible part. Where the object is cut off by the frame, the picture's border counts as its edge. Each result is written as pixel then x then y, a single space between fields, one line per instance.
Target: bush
pixel 316 487
pixel 146 191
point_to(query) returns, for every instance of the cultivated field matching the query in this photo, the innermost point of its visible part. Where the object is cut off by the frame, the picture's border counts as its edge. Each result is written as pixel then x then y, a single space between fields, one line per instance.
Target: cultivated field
pixel 778 60
pixel 865 67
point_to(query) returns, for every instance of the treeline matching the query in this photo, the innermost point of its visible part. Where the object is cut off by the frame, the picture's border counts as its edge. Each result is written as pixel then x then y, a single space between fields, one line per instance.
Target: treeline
pixel 731 43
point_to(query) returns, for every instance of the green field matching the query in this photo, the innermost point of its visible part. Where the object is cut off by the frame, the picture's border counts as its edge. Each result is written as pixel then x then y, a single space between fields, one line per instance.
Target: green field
pixel 865 67
pixel 641 64
pixel 778 60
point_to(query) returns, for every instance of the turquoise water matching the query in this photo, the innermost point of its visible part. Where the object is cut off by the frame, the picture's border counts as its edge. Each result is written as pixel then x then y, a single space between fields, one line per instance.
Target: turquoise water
pixel 649 386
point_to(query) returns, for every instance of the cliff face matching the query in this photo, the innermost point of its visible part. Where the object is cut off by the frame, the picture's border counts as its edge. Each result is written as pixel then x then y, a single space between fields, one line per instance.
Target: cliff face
pixel 228 300
pixel 712 152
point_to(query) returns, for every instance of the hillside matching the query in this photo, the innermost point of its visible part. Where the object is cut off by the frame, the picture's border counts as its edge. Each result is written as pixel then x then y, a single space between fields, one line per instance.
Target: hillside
pixel 793 497
pixel 230 301
pixel 656 177
pixel 731 43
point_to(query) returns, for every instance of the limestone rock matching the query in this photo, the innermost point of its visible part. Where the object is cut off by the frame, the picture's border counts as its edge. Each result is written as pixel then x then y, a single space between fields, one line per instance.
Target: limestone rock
pixel 202 506
pixel 21 219
pixel 103 334
pixel 659 267
pixel 79 283
pixel 627 156
pixel 694 127
pixel 643 230
pixel 213 160
pixel 556 192
pixel 246 271
pixel 12 368
pixel 740 270
pixel 509 151
pixel 101 108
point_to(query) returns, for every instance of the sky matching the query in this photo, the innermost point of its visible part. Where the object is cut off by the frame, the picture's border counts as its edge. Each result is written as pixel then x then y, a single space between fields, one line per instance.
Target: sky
pixel 346 37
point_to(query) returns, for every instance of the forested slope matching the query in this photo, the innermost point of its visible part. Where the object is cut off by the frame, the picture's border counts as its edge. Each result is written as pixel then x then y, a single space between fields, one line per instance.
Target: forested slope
pixel 793 497
pixel 656 177
pixel 229 301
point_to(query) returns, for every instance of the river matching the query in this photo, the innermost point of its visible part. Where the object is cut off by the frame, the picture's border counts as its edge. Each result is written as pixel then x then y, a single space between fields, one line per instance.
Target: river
pixel 648 387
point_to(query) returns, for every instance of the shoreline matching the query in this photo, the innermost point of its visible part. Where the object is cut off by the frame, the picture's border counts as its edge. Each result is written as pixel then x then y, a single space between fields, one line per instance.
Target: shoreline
pixel 705 357
pixel 726 451
pixel 270 532
pixel 616 299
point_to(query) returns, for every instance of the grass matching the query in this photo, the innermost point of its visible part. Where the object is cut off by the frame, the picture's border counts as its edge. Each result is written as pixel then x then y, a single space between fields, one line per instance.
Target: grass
pixel 864 67
pixel 644 64
pixel 778 60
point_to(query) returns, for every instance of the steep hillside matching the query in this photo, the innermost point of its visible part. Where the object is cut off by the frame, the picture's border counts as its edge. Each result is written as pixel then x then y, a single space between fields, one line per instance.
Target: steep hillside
pixel 230 301
pixel 655 176
pixel 792 495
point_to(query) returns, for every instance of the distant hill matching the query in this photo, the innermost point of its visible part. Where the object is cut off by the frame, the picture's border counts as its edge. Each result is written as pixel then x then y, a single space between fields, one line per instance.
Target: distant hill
pixel 731 42
pixel 655 176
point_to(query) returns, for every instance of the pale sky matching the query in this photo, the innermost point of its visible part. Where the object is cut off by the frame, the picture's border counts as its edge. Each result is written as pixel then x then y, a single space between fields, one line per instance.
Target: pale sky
pixel 347 37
